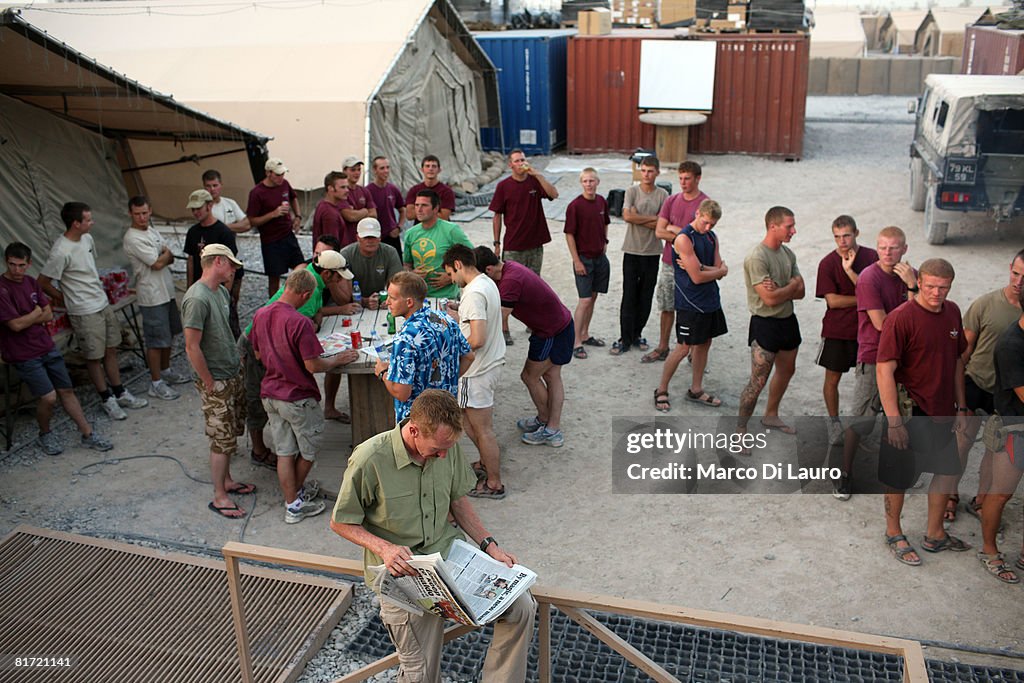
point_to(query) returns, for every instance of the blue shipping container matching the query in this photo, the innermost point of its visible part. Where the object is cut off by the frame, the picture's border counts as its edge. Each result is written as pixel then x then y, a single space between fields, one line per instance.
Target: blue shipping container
pixel 531 85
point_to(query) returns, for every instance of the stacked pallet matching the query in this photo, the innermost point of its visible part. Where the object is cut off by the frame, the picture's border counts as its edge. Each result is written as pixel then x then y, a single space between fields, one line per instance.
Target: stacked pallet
pixel 782 15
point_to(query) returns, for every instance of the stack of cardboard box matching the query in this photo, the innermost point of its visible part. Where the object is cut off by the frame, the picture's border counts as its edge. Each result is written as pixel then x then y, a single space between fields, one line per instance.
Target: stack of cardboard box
pixel 595 22
pixel 673 12
pixel 635 12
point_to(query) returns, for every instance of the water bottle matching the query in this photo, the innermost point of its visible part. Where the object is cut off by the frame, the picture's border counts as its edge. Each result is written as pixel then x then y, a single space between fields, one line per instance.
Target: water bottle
pixel 357 296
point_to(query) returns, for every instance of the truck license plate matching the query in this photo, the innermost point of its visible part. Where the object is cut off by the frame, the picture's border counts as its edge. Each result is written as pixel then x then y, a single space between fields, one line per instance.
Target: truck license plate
pixel 960 172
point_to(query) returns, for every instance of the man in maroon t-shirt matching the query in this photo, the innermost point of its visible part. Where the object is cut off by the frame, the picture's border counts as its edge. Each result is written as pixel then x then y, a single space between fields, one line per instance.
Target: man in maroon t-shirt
pixel 586 232
pixel 881 288
pixel 837 282
pixel 286 343
pixel 920 350
pixel 359 204
pixel 27 345
pixel 533 302
pixel 389 200
pixel 273 210
pixel 516 201
pixel 677 212
pixel 327 219
pixel 430 167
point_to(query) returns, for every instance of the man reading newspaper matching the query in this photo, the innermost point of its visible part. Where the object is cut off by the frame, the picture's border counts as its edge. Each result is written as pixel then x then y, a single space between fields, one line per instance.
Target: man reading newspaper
pixel 398 489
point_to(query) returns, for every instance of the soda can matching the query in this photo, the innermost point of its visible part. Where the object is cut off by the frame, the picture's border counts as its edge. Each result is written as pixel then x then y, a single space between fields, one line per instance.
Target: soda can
pixel 383 294
pixel 346 322
pixel 357 339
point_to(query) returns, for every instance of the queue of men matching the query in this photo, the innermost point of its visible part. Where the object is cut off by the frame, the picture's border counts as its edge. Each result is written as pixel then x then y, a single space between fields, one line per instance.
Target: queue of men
pixel 920 368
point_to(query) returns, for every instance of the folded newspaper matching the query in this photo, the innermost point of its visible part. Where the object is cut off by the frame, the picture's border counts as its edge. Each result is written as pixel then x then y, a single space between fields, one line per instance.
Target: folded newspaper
pixel 470 587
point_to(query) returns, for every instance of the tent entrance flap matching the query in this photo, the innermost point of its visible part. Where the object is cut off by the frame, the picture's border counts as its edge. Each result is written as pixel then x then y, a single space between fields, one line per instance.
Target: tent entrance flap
pixel 428 106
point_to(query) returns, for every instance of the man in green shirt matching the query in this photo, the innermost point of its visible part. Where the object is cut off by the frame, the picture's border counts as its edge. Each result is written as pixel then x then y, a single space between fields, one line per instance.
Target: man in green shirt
pixel 426 244
pixel 210 346
pixel 331 273
pixel 398 490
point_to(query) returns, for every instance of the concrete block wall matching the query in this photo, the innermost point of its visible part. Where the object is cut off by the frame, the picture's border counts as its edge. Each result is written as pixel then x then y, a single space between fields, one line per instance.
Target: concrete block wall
pixel 884 75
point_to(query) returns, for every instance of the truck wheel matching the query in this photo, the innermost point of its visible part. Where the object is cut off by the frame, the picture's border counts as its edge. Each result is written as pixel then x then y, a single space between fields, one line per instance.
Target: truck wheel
pixel 934 227
pixel 917 184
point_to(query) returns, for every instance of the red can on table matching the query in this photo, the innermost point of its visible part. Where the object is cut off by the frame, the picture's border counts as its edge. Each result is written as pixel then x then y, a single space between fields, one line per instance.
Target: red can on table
pixel 357 339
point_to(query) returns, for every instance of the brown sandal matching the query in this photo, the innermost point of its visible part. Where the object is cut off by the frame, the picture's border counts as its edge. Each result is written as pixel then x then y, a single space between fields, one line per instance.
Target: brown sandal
pixel 661 402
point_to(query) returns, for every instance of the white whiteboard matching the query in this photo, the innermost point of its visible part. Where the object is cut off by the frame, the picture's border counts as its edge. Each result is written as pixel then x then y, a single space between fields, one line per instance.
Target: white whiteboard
pixel 677 74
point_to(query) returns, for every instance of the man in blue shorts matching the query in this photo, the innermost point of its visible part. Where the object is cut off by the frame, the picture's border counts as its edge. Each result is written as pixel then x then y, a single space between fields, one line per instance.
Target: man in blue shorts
pixel 552 333
pixel 25 344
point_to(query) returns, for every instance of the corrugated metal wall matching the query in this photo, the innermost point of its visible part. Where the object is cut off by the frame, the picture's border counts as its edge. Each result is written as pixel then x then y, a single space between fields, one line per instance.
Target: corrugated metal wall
pixel 531 81
pixel 759 105
pixel 992 51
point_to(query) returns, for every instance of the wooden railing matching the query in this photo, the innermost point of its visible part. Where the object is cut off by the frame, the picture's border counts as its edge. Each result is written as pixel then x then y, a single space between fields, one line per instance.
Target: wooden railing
pixel 574 605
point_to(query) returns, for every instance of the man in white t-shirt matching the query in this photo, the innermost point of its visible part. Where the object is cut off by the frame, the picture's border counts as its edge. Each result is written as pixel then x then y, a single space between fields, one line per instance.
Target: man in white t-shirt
pixel 225 209
pixel 72 262
pixel 151 259
pixel 228 212
pixel 479 316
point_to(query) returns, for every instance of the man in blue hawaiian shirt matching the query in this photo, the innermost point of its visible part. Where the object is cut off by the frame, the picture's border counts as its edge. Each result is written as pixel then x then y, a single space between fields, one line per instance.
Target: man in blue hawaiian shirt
pixel 429 352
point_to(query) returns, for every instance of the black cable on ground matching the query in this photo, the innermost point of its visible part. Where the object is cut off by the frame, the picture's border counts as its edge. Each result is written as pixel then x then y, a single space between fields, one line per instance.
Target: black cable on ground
pixel 118 461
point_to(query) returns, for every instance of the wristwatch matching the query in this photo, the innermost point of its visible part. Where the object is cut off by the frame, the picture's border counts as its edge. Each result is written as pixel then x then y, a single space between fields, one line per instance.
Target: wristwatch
pixel 496 242
pixel 380 375
pixel 486 542
pixel 913 290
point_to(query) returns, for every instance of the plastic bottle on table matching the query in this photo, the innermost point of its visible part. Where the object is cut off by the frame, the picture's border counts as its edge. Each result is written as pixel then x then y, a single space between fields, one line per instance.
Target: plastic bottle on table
pixel 357 295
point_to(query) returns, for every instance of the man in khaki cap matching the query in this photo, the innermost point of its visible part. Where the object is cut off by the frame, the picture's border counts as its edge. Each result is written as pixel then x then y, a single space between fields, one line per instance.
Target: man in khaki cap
pixel 274 211
pixel 215 363
pixel 210 230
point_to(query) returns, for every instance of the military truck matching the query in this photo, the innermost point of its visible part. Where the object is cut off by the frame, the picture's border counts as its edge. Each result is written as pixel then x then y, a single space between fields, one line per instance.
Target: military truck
pixel 968 150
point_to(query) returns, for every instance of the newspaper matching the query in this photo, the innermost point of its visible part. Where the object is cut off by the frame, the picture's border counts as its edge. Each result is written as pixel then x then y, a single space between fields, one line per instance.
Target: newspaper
pixel 470 587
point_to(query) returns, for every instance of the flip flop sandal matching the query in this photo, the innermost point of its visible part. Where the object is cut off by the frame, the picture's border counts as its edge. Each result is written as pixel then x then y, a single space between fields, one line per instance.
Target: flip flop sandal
pixel 784 428
pixel 950 542
pixel 642 344
pixel 242 489
pixel 901 553
pixel 579 352
pixel 661 402
pixel 487 492
pixel 949 515
pixel 618 348
pixel 269 460
pixel 704 398
pixel 997 567
pixel 343 418
pixel 654 356
pixel 593 341
pixel 1019 564
pixel 227 508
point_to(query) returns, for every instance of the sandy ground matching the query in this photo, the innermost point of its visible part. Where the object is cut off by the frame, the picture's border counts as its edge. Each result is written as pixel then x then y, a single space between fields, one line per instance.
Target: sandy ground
pixel 802 558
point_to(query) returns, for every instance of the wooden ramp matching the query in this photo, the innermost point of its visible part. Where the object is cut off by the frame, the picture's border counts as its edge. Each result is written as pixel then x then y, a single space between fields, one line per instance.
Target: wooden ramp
pixel 124 613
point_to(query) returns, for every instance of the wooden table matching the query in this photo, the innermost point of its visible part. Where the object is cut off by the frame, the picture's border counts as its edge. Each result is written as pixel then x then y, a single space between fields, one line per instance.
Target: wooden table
pixel 371 406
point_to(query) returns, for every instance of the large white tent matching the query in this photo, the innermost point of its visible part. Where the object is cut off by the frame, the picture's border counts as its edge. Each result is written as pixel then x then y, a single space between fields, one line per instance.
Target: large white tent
pixel 72 129
pixel 327 79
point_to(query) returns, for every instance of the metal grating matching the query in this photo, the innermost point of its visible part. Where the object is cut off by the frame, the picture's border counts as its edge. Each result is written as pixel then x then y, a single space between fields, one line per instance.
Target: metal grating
pixel 124 613
pixel 689 653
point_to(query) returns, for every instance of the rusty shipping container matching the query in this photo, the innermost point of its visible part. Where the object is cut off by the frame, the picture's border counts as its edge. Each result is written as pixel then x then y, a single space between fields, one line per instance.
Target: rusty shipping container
pixel 992 51
pixel 759 105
